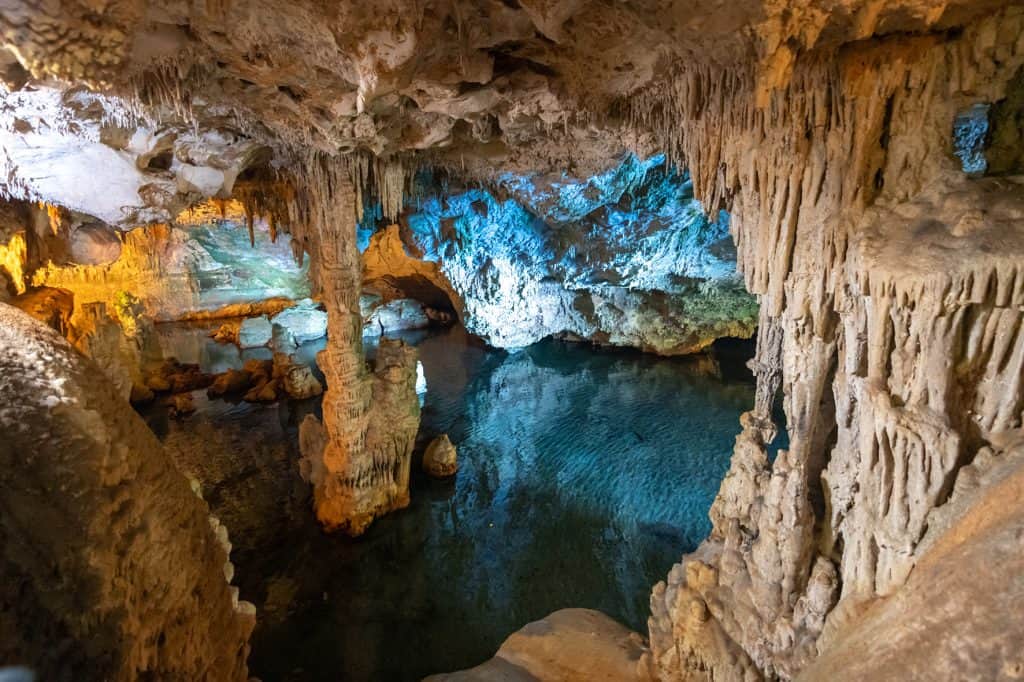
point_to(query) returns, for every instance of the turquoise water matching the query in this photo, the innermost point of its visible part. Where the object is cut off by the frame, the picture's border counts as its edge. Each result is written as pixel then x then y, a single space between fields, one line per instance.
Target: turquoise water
pixel 584 475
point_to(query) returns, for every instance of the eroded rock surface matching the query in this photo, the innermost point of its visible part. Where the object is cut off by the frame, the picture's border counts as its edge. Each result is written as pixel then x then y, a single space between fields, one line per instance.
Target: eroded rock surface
pixel 624 258
pixel 888 279
pixel 440 459
pixel 571 644
pixel 124 574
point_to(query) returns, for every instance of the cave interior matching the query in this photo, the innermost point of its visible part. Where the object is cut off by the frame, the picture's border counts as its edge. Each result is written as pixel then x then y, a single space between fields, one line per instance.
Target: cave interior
pixel 655 340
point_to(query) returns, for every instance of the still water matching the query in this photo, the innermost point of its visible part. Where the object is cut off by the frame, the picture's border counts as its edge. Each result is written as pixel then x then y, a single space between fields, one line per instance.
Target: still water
pixel 583 476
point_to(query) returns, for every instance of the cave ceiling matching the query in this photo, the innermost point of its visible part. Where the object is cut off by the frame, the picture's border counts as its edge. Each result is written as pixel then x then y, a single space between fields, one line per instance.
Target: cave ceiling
pixel 174 100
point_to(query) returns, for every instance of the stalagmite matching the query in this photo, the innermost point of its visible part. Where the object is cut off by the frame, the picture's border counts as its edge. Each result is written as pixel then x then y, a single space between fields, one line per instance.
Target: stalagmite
pixel 370 420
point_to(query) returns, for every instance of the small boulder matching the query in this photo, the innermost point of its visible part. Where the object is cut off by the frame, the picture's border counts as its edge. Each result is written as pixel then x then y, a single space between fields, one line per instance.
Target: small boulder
pixel 255 332
pixel 230 382
pixel 440 460
pixel 303 322
pixel 297 379
pixel 180 405
pixel 263 392
pixel 175 377
pixel 227 332
pixel 261 371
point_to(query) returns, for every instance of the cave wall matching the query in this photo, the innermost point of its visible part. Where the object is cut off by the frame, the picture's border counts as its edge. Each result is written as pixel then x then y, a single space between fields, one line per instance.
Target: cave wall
pixel 888 280
pixel 93 515
pixel 890 297
pixel 626 257
pixel 179 270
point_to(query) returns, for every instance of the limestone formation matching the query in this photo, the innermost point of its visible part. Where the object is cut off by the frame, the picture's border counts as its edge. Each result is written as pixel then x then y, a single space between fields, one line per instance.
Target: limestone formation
pixel 183 271
pixel 122 574
pixel 625 258
pixel 399 314
pixel 231 382
pixel 255 332
pixel 303 322
pixel 893 355
pixel 878 228
pixel 359 458
pixel 180 405
pixel 296 379
pixel 440 459
pixel 571 644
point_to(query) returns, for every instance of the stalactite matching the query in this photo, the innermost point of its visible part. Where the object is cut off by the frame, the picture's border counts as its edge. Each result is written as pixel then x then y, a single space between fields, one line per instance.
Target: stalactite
pixel 855 305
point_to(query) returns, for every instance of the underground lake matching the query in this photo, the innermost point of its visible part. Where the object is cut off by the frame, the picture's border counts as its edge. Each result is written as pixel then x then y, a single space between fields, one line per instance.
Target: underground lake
pixel 584 474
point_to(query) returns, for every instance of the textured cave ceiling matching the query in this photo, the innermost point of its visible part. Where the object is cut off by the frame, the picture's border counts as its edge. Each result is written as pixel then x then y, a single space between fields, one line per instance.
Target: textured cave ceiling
pixel 183 96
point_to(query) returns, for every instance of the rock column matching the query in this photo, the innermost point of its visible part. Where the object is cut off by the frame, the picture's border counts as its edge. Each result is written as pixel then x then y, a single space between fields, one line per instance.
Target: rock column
pixel 358 458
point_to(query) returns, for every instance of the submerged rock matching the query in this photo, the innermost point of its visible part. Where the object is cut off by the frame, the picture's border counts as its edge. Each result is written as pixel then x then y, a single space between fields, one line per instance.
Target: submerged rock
pixel 175 377
pixel 264 385
pixel 302 323
pixel 440 459
pixel 255 332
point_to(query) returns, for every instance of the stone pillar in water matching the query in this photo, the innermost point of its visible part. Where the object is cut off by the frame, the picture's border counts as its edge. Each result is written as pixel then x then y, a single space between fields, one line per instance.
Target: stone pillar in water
pixel 358 458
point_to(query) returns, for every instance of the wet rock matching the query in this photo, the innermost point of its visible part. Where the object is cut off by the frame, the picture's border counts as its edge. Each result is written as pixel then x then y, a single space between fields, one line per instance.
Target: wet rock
pixel 440 459
pixel 180 405
pixel 265 391
pixel 255 332
pixel 261 370
pixel 227 332
pixel 230 382
pixel 303 323
pixel 296 379
pixel 175 377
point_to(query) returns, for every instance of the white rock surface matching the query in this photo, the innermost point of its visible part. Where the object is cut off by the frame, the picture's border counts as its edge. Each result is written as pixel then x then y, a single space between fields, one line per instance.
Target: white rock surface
pixel 303 322
pixel 255 332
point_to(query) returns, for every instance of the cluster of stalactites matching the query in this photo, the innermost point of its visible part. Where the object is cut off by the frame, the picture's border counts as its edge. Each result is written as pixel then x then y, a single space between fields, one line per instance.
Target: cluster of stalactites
pixel 292 200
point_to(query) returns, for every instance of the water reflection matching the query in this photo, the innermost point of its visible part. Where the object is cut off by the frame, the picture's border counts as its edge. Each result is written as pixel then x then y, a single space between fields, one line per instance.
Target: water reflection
pixel 583 476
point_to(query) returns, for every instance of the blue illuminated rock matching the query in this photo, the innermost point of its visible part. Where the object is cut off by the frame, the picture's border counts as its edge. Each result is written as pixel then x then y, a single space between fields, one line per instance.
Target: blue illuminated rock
pixel 255 332
pixel 624 258
pixel 302 323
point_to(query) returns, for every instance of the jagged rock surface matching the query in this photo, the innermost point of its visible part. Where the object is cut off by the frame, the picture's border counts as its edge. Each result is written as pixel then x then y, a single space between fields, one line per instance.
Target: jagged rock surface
pixel 888 279
pixel 624 258
pixel 123 574
pixel 893 339
pixel 184 271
